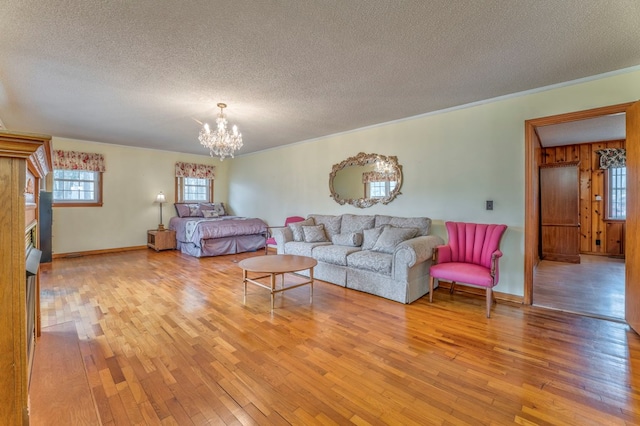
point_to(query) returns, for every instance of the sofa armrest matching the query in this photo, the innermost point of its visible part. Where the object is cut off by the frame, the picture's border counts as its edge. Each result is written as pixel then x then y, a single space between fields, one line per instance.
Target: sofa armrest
pixel 282 235
pixel 411 252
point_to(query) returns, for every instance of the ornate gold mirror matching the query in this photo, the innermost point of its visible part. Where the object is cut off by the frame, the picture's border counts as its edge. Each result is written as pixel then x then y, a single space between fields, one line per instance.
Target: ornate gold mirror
pixel 365 180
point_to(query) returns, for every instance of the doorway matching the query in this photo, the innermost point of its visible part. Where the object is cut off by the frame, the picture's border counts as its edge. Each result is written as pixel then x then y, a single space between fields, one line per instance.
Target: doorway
pixel 595 287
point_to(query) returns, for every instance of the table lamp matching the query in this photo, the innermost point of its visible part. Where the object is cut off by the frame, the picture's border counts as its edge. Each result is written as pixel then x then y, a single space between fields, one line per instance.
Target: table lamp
pixel 160 198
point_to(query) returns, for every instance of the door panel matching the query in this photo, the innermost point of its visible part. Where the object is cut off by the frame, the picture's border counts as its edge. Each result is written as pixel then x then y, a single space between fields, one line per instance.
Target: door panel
pixel 559 212
pixel 632 226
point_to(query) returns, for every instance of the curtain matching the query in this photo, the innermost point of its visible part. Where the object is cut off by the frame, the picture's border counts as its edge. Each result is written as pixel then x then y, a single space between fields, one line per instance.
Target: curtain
pixel 193 170
pixel 73 160
pixel 378 177
pixel 612 157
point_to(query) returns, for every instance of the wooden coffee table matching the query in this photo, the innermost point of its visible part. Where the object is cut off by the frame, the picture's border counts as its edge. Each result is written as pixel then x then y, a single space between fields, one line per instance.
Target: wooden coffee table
pixel 276 265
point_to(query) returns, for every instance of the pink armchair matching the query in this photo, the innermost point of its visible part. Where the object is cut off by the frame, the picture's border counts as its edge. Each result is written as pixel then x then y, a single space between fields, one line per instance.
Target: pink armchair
pixel 272 241
pixel 470 257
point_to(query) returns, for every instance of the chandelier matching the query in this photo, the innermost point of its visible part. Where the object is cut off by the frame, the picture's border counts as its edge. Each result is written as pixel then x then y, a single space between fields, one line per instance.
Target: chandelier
pixel 221 142
pixel 384 167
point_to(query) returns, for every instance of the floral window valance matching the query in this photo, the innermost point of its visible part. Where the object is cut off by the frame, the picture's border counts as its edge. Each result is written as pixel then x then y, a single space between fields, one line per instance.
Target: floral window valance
pixel 612 157
pixel 378 177
pixel 74 160
pixel 193 170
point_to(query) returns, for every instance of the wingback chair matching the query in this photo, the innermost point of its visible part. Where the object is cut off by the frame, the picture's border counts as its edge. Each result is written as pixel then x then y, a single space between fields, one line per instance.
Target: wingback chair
pixel 470 257
pixel 271 240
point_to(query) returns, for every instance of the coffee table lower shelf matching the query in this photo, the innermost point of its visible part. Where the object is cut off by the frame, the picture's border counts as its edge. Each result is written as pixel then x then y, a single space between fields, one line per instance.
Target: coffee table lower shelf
pixel 271 267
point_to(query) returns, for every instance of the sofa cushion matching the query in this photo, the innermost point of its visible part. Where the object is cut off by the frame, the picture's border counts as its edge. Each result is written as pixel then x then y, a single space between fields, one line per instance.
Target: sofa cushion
pixel 423 224
pixel 314 234
pixel 371 261
pixel 352 239
pixel 356 223
pixel 296 228
pixel 336 255
pixel 370 236
pixel 331 223
pixel 391 237
pixel 301 248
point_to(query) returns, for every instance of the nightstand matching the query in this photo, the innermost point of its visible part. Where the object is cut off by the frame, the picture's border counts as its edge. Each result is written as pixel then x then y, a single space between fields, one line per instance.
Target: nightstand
pixel 161 240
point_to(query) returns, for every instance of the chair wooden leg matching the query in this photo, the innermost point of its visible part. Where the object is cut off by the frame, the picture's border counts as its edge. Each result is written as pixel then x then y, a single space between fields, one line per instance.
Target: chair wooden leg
pixel 489 300
pixel 430 289
pixel 453 284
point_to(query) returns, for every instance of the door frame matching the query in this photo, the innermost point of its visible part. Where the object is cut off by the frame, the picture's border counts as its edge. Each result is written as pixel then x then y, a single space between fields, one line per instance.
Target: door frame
pixel 532 153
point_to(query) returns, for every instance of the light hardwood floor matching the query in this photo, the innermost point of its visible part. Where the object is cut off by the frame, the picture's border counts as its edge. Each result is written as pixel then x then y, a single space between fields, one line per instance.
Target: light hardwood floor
pixel 165 339
pixel 593 287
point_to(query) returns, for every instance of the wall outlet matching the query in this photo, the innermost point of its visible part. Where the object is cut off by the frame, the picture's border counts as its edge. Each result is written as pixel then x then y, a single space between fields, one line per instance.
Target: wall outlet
pixel 597 242
pixel 489 204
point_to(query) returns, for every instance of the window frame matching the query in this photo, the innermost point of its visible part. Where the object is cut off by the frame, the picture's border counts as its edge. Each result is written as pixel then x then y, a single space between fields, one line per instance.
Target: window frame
pixel 76 203
pixel 180 186
pixel 608 194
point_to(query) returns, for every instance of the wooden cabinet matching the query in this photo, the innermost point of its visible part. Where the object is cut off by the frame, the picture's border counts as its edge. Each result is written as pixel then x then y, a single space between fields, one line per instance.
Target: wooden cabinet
pixel 25 159
pixel 161 240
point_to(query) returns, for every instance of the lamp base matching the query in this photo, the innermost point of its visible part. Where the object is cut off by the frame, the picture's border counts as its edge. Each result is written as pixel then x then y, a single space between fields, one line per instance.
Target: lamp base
pixel 161 227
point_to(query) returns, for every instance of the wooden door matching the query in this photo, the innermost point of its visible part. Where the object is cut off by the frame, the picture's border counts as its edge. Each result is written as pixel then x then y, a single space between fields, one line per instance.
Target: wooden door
pixel 559 212
pixel 632 242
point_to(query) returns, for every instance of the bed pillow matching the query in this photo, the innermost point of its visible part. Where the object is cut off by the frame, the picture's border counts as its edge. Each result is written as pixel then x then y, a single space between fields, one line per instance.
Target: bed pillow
pixel 188 210
pixel 314 234
pixel 370 236
pixel 391 237
pixel 219 208
pixel 216 207
pixel 351 239
pixel 296 228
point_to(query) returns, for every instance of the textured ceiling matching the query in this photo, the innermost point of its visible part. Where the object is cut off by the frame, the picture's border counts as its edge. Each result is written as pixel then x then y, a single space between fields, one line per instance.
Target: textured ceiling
pixel 147 72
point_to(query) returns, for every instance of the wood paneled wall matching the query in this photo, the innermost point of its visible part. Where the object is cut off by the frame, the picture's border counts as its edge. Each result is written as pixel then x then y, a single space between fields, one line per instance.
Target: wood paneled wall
pixel 597 236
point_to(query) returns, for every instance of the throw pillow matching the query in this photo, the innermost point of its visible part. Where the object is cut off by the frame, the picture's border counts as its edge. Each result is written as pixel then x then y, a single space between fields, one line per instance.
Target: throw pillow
pixel 352 239
pixel 391 237
pixel 210 213
pixel 314 234
pixel 296 228
pixel 370 236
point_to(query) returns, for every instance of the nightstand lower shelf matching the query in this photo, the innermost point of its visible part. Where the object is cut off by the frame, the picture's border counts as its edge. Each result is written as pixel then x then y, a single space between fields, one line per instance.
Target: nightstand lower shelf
pixel 161 240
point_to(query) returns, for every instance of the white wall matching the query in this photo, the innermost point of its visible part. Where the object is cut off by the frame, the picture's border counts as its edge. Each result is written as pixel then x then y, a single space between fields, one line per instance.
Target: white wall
pixel 132 179
pixel 452 162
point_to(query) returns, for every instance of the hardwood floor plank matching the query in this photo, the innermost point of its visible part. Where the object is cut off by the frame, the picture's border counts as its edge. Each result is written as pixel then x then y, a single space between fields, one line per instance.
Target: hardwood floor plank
pixel 59 355
pixel 166 339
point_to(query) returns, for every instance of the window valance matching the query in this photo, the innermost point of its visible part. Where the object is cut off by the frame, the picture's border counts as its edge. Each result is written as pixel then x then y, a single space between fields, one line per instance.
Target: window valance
pixel 74 160
pixel 612 157
pixel 378 177
pixel 193 170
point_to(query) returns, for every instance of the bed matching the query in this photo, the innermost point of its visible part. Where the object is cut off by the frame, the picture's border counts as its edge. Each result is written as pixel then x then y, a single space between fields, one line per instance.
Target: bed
pixel 206 230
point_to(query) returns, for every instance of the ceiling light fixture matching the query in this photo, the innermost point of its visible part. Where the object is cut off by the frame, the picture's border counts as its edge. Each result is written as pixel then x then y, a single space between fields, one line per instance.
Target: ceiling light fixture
pixel 383 167
pixel 221 142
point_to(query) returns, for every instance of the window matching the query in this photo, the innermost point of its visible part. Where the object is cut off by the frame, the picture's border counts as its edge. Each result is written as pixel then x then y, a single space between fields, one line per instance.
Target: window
pixel 77 179
pixel 77 188
pixel 194 189
pixel 616 193
pixel 380 189
pixel 194 182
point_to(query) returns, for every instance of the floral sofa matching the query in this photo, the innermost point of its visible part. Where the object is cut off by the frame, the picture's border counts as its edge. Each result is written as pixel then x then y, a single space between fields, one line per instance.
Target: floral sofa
pixel 383 255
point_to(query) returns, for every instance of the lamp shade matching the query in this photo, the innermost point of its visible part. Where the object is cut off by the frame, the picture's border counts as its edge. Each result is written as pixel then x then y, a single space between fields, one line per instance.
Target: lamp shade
pixel 160 198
